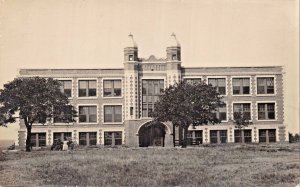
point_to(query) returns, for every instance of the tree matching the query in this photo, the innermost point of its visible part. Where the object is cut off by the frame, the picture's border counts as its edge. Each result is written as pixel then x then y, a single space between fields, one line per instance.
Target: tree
pixel 186 104
pixel 241 121
pixel 34 99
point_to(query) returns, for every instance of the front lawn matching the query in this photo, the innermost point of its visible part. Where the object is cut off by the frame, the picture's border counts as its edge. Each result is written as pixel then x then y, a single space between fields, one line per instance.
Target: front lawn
pixel 223 165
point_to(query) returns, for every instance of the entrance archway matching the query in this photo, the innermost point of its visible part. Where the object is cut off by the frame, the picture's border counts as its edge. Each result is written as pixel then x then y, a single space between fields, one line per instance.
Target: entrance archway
pixel 152 134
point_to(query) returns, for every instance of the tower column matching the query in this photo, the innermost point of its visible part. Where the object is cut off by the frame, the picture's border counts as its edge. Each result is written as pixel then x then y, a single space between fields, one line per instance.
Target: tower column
pixel 173 61
pixel 131 79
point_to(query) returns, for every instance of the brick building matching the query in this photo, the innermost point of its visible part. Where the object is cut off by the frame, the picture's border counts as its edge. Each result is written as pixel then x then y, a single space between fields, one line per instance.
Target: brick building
pixel 114 105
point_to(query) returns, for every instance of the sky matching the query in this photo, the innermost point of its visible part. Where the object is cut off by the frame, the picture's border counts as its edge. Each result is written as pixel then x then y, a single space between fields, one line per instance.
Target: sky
pixel 93 34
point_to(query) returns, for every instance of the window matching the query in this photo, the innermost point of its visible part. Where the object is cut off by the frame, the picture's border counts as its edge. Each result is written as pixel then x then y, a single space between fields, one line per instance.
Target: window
pixel 219 84
pixel 63 114
pixel 113 113
pixel 272 135
pixel 131 111
pixel 241 86
pixel 237 136
pixel 262 135
pixel 87 88
pixel 265 85
pixel 243 136
pixel 62 135
pixel 247 136
pixel 218 136
pixel 151 90
pixel 194 137
pixel 66 87
pixel 174 57
pixel 193 80
pixel 221 113
pixel 130 57
pixel 267 135
pixel 112 88
pixel 213 136
pixel 266 111
pixel 87 138
pixel 223 136
pixel 38 139
pixel 113 138
pixel 244 108
pixel 87 114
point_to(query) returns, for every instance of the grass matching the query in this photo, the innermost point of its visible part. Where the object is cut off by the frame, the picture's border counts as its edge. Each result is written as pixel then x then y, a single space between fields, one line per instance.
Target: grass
pixel 226 165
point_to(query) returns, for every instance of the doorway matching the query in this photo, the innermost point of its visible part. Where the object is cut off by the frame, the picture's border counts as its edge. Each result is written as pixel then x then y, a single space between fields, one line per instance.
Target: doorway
pixel 152 134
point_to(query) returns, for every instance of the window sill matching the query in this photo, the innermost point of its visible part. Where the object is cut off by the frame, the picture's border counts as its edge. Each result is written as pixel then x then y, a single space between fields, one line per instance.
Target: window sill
pixel 248 121
pixel 262 120
pixel 87 97
pixel 40 124
pixel 87 123
pixel 147 118
pixel 112 123
pixel 58 123
pixel 112 97
pixel 265 95
pixel 249 95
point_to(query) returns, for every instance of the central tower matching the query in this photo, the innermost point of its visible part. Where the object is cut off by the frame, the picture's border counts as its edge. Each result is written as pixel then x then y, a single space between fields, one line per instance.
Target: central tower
pixel 144 80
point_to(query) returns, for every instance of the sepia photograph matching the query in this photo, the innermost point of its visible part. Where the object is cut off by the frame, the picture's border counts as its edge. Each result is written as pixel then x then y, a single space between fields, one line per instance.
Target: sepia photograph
pixel 149 93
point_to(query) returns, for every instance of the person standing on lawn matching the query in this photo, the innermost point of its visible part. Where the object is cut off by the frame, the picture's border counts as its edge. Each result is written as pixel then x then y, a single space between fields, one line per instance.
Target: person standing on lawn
pixel 65 145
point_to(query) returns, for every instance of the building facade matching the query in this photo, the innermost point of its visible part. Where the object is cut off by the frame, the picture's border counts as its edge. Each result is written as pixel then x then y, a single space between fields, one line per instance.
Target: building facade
pixel 114 105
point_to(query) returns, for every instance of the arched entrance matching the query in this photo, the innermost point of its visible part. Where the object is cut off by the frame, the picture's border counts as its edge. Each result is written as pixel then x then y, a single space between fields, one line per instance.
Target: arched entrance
pixel 152 134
